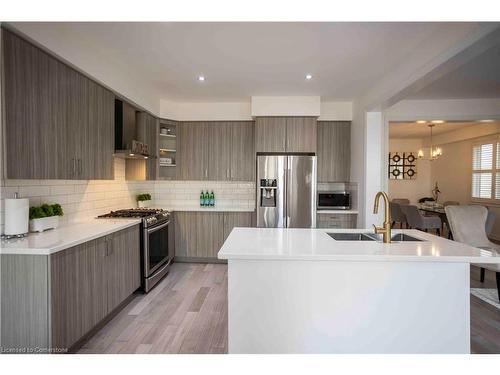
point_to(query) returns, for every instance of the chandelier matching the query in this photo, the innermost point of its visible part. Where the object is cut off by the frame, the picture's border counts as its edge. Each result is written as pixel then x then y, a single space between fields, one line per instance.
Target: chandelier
pixel 434 152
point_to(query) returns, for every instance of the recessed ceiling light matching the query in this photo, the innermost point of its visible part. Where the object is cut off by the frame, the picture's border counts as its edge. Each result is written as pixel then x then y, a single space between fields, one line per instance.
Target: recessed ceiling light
pixel 486 120
pixel 421 122
pixel 309 77
pixel 201 78
pixel 437 121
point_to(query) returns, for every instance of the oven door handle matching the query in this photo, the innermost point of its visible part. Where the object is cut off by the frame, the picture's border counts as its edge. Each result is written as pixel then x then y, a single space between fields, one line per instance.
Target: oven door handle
pixel 158 227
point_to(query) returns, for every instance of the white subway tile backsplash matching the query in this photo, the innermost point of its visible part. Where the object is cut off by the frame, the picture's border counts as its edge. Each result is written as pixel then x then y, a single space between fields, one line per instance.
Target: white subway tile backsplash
pixel 82 199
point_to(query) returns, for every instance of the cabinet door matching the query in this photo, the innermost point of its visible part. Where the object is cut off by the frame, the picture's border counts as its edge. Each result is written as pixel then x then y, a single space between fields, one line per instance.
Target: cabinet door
pixel 147 132
pixel 80 141
pixel 123 265
pixel 185 234
pixel 219 150
pixel 101 131
pixel 209 233
pixel 301 134
pixel 193 151
pixel 236 219
pixel 243 151
pixel 334 151
pixel 77 292
pixel 270 134
pixel 198 234
pixel 34 133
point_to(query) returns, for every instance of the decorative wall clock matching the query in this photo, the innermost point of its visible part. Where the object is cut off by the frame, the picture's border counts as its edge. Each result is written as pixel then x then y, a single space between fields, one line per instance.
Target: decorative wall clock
pixel 402 166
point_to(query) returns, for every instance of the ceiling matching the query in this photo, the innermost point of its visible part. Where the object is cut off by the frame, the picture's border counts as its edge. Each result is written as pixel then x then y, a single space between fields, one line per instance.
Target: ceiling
pixel 243 59
pixel 414 130
pixel 478 78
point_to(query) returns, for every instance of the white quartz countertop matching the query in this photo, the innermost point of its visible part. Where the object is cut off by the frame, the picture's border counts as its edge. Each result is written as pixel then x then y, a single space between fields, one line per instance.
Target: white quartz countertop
pixel 316 244
pixel 64 237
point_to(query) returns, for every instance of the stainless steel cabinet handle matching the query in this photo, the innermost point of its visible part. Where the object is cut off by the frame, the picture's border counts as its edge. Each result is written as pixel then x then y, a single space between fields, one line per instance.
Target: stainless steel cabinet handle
pixel 79 167
pixel 73 169
pixel 206 173
pixel 227 173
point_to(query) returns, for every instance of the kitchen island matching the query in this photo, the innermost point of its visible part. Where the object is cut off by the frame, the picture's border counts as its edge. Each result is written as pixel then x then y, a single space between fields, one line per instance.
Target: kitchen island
pixel 302 291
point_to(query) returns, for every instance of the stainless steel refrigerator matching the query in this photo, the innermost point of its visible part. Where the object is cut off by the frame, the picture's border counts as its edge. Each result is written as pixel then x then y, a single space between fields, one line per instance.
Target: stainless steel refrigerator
pixel 286 191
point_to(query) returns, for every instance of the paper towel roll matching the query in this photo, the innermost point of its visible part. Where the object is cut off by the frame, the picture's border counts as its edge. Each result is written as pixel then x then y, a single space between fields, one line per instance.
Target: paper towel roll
pixel 16 216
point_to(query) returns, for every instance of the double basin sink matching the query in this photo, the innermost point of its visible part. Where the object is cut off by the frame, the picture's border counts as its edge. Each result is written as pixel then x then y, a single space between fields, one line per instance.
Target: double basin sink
pixel 399 237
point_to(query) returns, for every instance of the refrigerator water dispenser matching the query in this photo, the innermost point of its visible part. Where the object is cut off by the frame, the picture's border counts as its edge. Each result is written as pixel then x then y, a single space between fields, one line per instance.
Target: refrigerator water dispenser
pixel 268 189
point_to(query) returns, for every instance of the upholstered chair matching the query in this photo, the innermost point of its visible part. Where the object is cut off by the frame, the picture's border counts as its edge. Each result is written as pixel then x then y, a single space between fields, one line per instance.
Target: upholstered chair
pixel 397 214
pixel 468 224
pixel 418 221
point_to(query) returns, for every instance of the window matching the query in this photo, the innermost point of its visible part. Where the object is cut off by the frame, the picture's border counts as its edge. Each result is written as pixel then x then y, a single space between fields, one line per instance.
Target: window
pixel 486 171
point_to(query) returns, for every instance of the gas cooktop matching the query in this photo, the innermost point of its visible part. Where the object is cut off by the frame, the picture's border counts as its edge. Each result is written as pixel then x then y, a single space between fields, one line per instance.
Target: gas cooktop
pixel 149 216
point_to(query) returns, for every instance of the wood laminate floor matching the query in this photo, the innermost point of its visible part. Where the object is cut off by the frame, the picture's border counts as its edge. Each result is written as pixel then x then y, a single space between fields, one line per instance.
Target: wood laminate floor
pixel 187 313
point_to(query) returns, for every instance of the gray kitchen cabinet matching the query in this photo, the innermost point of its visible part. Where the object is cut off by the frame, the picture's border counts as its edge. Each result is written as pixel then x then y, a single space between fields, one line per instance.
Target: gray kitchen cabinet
pixel 123 266
pixel 334 151
pixel 218 135
pixel 59 124
pixel 270 134
pixel 285 134
pixel 35 129
pixel 301 134
pixel 216 150
pixel 185 237
pixel 101 132
pixel 193 151
pixel 242 151
pixel 52 301
pixel 236 219
pixel 336 221
pixel 200 235
pixel 147 132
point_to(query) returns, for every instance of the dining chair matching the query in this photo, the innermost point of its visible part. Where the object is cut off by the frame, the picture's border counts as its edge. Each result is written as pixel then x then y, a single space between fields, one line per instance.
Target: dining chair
pixel 397 215
pixel 468 224
pixel 401 201
pixel 418 221
pixel 490 221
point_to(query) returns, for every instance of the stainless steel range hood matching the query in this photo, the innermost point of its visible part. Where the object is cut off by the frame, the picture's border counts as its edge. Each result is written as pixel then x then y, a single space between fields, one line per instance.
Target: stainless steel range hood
pixel 127 144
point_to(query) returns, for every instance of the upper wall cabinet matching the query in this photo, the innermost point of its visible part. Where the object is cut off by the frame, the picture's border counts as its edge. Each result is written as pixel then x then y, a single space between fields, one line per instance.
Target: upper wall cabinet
pixel 147 132
pixel 218 150
pixel 59 124
pixel 334 151
pixel 285 134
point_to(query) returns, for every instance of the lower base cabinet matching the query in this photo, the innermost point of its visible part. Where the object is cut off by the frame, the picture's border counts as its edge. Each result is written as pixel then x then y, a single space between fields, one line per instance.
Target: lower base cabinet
pixel 200 235
pixel 336 221
pixel 83 285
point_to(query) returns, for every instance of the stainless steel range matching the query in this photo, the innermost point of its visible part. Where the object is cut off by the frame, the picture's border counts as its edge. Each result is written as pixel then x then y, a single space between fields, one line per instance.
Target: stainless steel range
pixel 157 242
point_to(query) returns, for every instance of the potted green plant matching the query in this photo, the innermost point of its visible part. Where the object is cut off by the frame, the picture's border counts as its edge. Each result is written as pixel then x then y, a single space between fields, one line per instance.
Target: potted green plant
pixel 143 200
pixel 45 217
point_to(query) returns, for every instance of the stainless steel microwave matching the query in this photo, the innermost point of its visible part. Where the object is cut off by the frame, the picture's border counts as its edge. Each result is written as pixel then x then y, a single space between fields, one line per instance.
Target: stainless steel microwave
pixel 334 200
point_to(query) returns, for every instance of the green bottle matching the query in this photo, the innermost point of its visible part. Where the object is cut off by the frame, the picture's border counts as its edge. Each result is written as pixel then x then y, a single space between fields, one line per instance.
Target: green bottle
pixel 202 199
pixel 212 199
pixel 206 199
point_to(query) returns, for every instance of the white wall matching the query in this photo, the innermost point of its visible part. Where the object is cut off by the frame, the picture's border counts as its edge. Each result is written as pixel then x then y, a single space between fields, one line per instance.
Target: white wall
pixel 200 111
pixel 452 109
pixel 411 189
pixel 286 106
pixel 220 111
pixel 335 111
pixel 374 167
